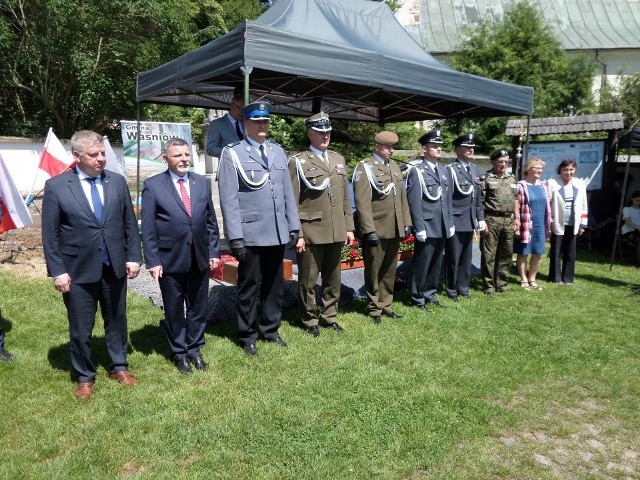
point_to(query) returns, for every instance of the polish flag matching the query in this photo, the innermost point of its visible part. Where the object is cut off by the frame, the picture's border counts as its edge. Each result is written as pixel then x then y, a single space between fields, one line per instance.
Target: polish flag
pixel 14 211
pixel 55 159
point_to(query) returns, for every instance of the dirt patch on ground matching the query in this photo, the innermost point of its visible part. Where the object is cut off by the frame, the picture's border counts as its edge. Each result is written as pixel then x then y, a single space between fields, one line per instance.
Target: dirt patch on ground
pixel 21 251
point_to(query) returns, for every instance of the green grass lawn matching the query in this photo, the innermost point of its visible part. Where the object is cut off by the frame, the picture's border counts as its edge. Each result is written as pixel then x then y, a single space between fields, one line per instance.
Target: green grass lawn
pixel 522 385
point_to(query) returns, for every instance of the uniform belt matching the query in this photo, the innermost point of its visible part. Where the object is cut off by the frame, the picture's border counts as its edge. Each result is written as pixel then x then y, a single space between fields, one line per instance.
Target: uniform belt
pixel 493 213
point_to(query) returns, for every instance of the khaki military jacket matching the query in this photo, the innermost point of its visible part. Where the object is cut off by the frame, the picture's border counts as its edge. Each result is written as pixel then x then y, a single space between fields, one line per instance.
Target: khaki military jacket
pixel 387 215
pixel 325 215
pixel 499 194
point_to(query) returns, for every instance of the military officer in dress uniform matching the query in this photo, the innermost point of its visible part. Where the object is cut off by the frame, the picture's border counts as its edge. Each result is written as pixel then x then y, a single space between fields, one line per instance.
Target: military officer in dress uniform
pixel 381 203
pixel 320 187
pixel 429 188
pixel 467 216
pixel 259 217
pixel 500 200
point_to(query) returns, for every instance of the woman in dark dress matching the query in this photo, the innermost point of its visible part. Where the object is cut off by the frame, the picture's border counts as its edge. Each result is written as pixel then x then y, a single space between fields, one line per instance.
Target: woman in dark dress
pixel 535 223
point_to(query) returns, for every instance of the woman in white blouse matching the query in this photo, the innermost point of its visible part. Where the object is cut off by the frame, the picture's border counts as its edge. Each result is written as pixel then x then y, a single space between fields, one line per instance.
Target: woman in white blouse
pixel 568 198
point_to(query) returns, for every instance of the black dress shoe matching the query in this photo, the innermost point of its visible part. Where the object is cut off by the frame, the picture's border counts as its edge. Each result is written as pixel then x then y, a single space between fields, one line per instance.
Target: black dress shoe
pixel 278 341
pixel 313 331
pixel 198 362
pixel 6 356
pixel 376 319
pixel 250 349
pixel 452 298
pixel 183 365
pixel 392 315
pixel 334 326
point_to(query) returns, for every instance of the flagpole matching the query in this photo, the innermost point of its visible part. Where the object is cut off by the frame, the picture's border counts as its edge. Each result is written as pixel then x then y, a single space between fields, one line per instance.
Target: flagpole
pixel 44 149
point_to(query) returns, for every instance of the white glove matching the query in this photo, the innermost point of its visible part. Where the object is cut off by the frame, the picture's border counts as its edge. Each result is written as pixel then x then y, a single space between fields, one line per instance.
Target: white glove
pixel 452 232
pixel 421 236
pixel 481 225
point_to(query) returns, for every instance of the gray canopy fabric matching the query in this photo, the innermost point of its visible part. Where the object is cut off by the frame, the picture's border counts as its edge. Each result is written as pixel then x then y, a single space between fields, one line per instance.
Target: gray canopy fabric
pixel 349 58
pixel 631 139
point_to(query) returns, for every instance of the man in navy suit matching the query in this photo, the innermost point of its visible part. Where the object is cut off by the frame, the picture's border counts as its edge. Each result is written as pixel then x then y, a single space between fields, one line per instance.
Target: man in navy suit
pixel 226 129
pixel 429 197
pixel 91 246
pixel 468 214
pixel 181 245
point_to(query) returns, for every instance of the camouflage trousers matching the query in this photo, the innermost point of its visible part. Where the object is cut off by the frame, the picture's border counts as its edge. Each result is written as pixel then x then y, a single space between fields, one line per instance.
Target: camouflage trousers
pixel 496 248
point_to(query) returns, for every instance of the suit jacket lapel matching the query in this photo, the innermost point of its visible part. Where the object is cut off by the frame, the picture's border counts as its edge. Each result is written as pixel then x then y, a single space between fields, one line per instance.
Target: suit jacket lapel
pixel 168 182
pixel 76 190
pixel 107 193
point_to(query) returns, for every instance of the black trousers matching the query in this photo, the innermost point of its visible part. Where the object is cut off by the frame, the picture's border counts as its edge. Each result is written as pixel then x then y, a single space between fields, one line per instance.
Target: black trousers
pixel 82 305
pixel 458 258
pixel 562 256
pixel 185 331
pixel 260 279
pixel 426 266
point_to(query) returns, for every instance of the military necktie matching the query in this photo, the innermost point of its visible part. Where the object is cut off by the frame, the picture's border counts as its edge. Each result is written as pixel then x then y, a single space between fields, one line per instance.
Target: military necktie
pixel 238 131
pixel 264 156
pixel 325 158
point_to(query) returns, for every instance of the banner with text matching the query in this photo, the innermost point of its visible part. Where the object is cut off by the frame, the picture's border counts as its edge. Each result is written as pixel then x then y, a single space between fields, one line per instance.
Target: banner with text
pixel 153 136
pixel 588 155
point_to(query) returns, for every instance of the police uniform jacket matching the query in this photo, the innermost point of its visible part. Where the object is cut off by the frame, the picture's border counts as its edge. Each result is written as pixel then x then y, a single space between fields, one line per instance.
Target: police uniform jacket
pixel 325 215
pixel 387 215
pixel 435 217
pixel 261 215
pixel 499 194
pixel 467 209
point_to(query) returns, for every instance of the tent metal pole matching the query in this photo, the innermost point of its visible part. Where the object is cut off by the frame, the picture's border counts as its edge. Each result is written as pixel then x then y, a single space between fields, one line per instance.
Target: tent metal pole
pixel 616 236
pixel 246 72
pixel 138 195
pixel 526 150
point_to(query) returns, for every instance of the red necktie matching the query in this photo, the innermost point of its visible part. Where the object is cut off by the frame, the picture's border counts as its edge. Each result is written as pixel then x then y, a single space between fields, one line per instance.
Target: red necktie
pixel 185 196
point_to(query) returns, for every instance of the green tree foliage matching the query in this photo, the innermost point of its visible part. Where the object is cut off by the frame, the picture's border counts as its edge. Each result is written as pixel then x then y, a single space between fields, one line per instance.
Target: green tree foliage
pixel 625 99
pixel 522 49
pixel 72 65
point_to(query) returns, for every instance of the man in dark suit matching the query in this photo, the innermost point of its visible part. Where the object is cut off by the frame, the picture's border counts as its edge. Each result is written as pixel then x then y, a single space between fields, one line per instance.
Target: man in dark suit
pixel 91 246
pixel 381 202
pixel 429 197
pixel 226 129
pixel 181 245
pixel 468 214
pixel 260 216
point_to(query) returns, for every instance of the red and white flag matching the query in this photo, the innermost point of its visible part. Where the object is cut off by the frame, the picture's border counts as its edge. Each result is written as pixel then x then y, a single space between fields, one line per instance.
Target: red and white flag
pixel 14 211
pixel 114 163
pixel 55 159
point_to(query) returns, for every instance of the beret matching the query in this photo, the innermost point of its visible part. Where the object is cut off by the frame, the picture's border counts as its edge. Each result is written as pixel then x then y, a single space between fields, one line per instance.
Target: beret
pixel 386 138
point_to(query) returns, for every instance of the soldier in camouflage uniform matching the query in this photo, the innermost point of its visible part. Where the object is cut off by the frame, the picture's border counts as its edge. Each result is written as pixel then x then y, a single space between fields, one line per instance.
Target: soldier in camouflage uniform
pixel 499 199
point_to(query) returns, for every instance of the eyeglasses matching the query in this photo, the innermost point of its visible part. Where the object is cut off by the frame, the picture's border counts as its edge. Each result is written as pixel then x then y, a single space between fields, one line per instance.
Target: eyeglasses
pixel 503 162
pixel 537 168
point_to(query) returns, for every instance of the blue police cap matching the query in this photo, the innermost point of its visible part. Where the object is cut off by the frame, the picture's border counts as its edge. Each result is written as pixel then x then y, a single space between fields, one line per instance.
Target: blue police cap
pixel 256 111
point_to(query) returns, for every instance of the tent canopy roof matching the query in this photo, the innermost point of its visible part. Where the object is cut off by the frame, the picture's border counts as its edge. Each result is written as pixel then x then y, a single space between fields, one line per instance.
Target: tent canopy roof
pixel 631 139
pixel 349 58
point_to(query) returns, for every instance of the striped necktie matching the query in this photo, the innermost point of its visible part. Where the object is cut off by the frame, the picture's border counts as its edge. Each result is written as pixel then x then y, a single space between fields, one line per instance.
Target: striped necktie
pixel 185 196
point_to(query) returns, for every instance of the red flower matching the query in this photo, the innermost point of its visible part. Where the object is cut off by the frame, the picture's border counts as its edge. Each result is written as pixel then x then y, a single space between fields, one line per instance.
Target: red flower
pixel 353 254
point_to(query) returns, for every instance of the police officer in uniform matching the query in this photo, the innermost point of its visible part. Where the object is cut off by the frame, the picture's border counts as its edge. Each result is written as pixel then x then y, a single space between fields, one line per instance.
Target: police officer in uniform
pixel 381 203
pixel 320 187
pixel 429 197
pixel 467 216
pixel 499 199
pixel 259 216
